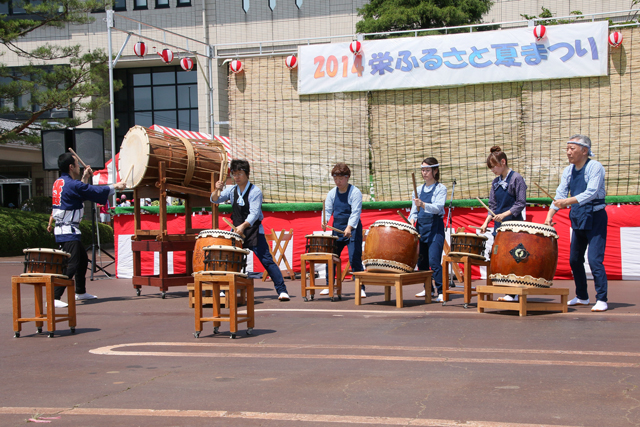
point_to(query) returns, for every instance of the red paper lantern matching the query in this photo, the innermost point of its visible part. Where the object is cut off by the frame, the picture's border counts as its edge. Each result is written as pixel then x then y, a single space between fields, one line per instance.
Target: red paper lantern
pixel 140 49
pixel 186 64
pixel 615 39
pixel 291 62
pixel 539 32
pixel 236 66
pixel 356 47
pixel 166 55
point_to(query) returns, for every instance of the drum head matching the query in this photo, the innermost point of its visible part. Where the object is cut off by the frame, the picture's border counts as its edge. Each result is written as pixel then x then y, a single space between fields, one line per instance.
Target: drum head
pixel 528 227
pixel 326 236
pixel 47 251
pixel 219 233
pixel 134 153
pixel 397 224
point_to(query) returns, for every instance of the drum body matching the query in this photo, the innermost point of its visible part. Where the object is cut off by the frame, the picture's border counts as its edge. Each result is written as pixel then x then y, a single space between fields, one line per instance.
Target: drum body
pixel 225 258
pixel 320 243
pixel 463 244
pixel 213 237
pixel 188 162
pixel 524 254
pixel 44 261
pixel 391 247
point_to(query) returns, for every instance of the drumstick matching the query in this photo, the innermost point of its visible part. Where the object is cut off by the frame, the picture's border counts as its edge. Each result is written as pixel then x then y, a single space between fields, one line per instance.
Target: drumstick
pixel 474 227
pixel 230 224
pixel 335 229
pixel 415 188
pixel 544 191
pixel 78 157
pixel 324 221
pixel 404 217
pixel 128 173
pixel 487 207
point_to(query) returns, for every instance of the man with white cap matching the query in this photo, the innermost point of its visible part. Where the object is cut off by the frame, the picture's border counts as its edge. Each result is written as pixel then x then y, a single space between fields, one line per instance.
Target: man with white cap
pixel 584 179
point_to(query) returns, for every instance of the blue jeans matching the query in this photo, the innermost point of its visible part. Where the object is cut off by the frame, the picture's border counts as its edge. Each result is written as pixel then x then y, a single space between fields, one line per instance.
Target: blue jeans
pixel 596 239
pixel 430 257
pixel 262 251
pixel 355 256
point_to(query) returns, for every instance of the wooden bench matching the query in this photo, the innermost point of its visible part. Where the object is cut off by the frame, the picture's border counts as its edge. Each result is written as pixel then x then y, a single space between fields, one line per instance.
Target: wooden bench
pixel 467 289
pixel 334 265
pixel 397 280
pixel 485 299
pixel 207 297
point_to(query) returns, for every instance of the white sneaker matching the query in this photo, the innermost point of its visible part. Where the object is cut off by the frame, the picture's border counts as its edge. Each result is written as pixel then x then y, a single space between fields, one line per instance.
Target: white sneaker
pixel 283 296
pixel 578 301
pixel 324 292
pixel 600 306
pixel 421 294
pixel 440 298
pixel 509 298
pixel 59 304
pixel 222 294
pixel 85 296
pixel 362 293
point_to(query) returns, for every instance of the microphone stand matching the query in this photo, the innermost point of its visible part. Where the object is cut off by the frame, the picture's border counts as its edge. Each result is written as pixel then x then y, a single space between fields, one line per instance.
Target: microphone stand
pixel 449 215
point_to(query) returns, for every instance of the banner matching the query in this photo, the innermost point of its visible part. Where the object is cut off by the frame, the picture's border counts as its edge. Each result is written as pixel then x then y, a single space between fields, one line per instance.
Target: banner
pixel 573 50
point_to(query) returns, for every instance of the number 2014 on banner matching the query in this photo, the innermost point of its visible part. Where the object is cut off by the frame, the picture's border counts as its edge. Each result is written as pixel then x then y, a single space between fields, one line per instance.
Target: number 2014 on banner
pixel 331 67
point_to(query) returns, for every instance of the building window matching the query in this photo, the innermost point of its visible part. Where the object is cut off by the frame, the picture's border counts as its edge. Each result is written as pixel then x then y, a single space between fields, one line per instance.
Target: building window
pixel 162 4
pixel 165 96
pixel 184 3
pixel 140 4
pixel 120 5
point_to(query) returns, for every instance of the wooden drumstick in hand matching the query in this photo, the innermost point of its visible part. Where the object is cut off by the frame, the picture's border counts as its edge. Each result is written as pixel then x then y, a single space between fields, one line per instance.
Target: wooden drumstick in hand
pixel 544 191
pixel 84 165
pixel 230 224
pixel 335 229
pixel 404 217
pixel 415 189
pixel 324 221
pixel 128 173
pixel 486 207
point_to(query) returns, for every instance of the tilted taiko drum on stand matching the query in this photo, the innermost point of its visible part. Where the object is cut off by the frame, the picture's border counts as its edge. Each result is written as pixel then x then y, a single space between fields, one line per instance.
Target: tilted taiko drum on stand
pixel 524 254
pixel 213 237
pixel 45 262
pixel 391 247
pixel 188 162
pixel 320 243
pixel 468 244
pixel 219 258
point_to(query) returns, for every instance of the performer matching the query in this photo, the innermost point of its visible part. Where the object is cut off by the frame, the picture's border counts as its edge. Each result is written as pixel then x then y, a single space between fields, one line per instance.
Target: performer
pixel 69 195
pixel 428 209
pixel 345 203
pixel 246 200
pixel 507 197
pixel 584 179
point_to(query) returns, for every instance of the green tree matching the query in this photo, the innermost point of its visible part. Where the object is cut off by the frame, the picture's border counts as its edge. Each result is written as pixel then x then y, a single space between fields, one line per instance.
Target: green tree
pixel 401 15
pixel 56 76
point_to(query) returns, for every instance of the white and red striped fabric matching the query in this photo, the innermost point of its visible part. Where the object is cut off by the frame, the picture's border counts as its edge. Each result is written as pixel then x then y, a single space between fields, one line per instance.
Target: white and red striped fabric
pixel 104 176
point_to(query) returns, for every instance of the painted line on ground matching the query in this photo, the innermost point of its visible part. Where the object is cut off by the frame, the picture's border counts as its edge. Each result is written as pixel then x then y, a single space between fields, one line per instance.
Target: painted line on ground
pixel 413 312
pixel 266 416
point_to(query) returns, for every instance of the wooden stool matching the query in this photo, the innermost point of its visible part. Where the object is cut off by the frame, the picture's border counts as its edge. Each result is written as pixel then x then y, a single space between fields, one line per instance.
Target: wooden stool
pixel 332 261
pixel 393 279
pixel 347 266
pixel 468 261
pixel 278 252
pixel 485 299
pixel 208 299
pixel 233 282
pixel 39 282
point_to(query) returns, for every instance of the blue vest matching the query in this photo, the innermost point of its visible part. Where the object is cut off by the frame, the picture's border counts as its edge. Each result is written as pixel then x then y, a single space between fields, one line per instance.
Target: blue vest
pixel 341 214
pixel 504 201
pixel 581 215
pixel 428 224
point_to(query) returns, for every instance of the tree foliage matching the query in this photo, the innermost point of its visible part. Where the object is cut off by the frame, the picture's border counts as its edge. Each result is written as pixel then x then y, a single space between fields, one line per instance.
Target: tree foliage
pixel 57 76
pixel 401 15
pixel 546 13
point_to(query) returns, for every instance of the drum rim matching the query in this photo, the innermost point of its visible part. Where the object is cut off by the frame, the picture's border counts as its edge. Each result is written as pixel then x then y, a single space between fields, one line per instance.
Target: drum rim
pixel 47 251
pixel 223 232
pixel 529 227
pixel 124 168
pixel 395 265
pixel 328 236
pixel 536 282
pixel 480 236
pixel 226 248
pixel 393 223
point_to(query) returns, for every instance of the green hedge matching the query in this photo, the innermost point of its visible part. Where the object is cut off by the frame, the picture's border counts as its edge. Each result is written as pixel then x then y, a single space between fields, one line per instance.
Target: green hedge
pixel 21 229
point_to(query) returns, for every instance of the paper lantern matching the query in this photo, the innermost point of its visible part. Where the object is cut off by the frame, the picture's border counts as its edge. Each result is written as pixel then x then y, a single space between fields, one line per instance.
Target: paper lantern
pixel 186 64
pixel 539 32
pixel 166 55
pixel 236 66
pixel 140 49
pixel 615 39
pixel 356 47
pixel 291 62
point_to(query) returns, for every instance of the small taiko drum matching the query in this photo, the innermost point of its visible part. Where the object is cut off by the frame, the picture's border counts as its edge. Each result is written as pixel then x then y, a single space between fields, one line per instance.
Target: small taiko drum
pixel 524 254
pixel 45 262
pixel 320 243
pixel 213 237
pixel 391 247
pixel 468 244
pixel 225 258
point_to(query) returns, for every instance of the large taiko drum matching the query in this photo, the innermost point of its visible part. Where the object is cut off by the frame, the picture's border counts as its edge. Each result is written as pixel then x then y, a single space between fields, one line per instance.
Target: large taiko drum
pixel 320 243
pixel 213 237
pixel 188 162
pixel 524 254
pixel 468 244
pixel 45 262
pixel 391 247
pixel 225 259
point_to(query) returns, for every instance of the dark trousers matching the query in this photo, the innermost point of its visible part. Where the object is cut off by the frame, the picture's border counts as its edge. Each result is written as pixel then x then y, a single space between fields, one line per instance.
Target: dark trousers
pixel 355 256
pixel 262 251
pixel 596 239
pixel 430 257
pixel 77 267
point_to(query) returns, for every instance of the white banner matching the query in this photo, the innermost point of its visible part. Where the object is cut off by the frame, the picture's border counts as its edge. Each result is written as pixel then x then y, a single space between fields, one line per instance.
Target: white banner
pixel 573 50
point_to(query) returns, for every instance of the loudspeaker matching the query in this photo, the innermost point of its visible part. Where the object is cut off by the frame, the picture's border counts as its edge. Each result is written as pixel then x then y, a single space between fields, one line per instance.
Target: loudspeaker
pixel 88 143
pixel 54 143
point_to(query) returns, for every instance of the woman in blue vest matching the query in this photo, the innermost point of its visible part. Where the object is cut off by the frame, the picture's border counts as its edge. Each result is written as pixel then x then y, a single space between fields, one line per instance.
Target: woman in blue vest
pixel 428 210
pixel 345 203
pixel 507 198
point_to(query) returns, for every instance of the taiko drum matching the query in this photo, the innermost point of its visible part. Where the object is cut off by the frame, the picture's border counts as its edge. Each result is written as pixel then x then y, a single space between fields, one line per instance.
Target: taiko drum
pixel 320 243
pixel 391 247
pixel 213 237
pixel 468 244
pixel 225 258
pixel 524 254
pixel 44 261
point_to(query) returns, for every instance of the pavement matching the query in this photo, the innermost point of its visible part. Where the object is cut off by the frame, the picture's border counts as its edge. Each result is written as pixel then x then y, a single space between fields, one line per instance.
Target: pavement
pixel 134 361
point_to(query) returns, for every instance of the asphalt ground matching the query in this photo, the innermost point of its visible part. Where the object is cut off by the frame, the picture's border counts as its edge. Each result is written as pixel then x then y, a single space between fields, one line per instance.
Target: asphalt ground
pixel 134 361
